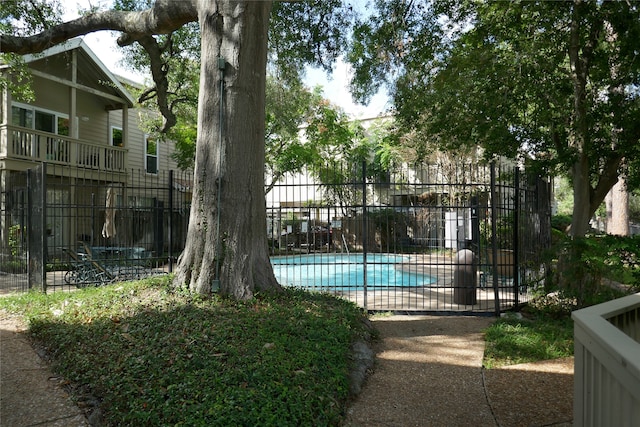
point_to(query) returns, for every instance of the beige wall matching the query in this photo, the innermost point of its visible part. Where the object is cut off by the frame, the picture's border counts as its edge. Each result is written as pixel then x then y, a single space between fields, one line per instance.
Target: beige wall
pixel 91 114
pixel 92 118
pixel 136 146
pixel 50 95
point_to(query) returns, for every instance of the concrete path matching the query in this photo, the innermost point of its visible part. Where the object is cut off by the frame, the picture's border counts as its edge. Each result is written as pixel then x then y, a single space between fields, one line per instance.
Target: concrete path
pixel 29 394
pixel 428 372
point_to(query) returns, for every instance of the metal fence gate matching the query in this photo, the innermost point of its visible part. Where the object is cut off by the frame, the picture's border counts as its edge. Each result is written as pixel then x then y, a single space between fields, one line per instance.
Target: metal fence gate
pixel 389 241
pixel 394 241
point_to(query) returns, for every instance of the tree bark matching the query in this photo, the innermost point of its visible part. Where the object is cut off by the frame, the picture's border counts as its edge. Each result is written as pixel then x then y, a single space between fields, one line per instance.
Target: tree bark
pixel 227 239
pixel 618 209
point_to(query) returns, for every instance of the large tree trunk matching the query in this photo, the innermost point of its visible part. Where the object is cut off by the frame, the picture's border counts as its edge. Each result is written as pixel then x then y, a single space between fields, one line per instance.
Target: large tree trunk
pixel 228 246
pixel 618 209
pixel 581 198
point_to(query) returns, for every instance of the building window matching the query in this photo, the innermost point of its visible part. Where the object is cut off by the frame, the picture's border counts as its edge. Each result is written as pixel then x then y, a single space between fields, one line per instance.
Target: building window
pixel 151 154
pixel 21 117
pixel 116 137
pixel 32 118
pixel 45 121
pixel 63 126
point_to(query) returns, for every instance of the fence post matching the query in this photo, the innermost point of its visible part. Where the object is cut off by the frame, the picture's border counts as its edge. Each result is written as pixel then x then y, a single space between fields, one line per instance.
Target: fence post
pixel 36 228
pixel 92 236
pixel 475 225
pixel 494 243
pixel 516 237
pixel 170 254
pixel 365 231
pixel 158 221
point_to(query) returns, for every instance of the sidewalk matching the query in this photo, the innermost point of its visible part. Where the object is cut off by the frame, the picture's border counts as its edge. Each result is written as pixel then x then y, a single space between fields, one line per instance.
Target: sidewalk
pixel 29 394
pixel 428 372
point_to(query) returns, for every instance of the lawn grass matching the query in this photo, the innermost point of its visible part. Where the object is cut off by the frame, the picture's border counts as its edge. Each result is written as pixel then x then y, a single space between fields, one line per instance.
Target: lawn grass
pixel 538 336
pixel 150 356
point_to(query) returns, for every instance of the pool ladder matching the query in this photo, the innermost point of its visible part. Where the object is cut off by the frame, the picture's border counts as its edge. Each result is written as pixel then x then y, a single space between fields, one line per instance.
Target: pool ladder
pixel 344 242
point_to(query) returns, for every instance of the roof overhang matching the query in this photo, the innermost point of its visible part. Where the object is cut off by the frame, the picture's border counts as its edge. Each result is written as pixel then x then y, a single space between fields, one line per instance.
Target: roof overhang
pixel 90 75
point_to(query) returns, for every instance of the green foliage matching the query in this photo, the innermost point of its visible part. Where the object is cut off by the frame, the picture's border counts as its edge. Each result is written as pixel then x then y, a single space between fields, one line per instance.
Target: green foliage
pixel 510 340
pixel 560 222
pixel 503 76
pixel 15 240
pixel 391 224
pixel 289 105
pixel 586 263
pixel 13 266
pixel 308 33
pixel 503 232
pixel 563 193
pixel 20 80
pixel 24 18
pixel 184 135
pixel 155 357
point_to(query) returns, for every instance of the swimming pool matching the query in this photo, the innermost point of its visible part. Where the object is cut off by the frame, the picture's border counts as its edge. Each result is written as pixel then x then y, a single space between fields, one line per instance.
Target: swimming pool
pixel 345 271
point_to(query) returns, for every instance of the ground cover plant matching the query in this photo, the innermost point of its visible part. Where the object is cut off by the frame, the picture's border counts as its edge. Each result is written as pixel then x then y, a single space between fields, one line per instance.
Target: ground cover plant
pixel 538 335
pixel 145 355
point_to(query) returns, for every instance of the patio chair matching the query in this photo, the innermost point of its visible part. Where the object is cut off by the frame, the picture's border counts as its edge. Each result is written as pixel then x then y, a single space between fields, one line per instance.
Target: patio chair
pixel 85 270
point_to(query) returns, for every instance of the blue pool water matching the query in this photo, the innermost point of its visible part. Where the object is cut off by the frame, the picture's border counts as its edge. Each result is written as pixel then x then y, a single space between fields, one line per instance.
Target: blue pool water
pixel 345 271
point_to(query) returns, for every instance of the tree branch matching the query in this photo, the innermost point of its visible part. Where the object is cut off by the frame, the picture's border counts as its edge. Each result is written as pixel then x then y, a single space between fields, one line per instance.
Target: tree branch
pixel 159 76
pixel 164 17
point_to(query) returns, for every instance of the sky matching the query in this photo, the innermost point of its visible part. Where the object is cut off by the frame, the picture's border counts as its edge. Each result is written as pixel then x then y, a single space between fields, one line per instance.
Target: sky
pixel 335 86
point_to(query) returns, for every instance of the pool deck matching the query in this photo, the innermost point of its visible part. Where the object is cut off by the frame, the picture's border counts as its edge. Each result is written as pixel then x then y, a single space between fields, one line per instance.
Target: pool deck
pixel 435 297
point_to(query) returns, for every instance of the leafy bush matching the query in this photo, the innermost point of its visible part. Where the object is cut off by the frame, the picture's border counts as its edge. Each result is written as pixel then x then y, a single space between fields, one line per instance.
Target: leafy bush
pixel 560 222
pixel 585 262
pixel 15 240
pixel 14 266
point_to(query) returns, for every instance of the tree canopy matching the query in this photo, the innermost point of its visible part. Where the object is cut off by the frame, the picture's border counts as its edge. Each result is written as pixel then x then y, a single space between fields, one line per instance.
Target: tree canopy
pixel 553 83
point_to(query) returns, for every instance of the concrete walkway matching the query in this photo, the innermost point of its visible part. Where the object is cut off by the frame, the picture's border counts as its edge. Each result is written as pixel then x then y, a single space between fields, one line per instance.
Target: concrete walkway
pixel 428 372
pixel 29 394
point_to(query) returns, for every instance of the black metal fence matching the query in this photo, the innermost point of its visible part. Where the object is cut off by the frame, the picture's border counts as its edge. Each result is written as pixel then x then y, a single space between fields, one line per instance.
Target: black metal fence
pixel 432 238
pixel 426 238
pixel 62 230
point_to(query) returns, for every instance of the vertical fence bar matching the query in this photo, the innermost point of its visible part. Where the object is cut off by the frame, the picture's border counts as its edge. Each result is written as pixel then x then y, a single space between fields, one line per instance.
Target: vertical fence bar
pixel 30 227
pixel 92 237
pixel 170 252
pixel 516 238
pixel 365 230
pixel 494 241
pixel 43 234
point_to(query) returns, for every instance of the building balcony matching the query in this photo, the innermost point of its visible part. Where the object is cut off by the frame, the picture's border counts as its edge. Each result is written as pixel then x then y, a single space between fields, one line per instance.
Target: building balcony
pixel 28 145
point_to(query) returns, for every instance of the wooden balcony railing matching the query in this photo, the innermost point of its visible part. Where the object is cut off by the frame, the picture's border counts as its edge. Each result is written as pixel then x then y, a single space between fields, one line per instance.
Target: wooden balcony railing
pixel 607 364
pixel 28 144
